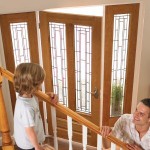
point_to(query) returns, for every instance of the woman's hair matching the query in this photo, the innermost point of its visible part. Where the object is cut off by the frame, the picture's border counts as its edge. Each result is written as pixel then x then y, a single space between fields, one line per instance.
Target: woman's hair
pixel 28 77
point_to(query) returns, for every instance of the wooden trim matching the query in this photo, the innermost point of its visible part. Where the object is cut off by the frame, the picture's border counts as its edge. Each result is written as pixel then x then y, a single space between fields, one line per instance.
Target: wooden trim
pixel 112 120
pixel 107 66
pixel 131 58
pixel 73 19
pixel 96 71
pixel 71 65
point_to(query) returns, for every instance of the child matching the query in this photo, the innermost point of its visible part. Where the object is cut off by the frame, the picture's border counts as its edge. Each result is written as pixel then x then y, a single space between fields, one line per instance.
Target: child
pixel 28 125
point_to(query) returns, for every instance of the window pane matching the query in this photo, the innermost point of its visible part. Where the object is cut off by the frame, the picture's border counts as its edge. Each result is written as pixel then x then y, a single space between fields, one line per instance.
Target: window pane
pixel 20 41
pixel 59 62
pixel 83 35
pixel 119 60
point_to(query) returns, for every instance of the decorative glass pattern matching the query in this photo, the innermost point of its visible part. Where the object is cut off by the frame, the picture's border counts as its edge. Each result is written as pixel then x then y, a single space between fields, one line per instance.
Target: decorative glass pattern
pixel 20 41
pixel 59 62
pixel 119 60
pixel 83 55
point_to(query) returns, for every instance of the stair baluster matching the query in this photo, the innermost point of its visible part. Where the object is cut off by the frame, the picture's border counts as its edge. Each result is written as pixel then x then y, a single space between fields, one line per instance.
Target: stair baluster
pixel 7 143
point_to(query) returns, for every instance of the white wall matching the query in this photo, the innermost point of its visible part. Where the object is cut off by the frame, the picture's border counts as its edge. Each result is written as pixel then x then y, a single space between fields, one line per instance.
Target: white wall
pixel 144 81
pixel 142 65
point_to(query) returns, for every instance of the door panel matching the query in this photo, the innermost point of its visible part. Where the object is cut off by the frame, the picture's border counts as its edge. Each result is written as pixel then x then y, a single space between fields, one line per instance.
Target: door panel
pixel 69 25
pixel 12 50
pixel 127 17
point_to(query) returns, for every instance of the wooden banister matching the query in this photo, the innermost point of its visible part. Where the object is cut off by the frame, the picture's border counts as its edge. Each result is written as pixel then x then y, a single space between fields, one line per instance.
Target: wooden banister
pixel 7 143
pixel 68 112
pixel 78 118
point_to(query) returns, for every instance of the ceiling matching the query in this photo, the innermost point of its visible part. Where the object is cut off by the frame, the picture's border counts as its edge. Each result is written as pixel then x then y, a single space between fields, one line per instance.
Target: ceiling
pixel 16 6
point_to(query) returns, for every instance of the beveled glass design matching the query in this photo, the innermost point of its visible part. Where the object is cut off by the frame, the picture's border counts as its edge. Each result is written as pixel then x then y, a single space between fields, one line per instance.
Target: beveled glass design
pixel 119 62
pixel 83 56
pixel 20 42
pixel 59 61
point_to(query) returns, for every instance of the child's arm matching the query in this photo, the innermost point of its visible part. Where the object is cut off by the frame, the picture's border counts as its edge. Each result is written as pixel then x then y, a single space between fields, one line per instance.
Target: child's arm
pixel 33 138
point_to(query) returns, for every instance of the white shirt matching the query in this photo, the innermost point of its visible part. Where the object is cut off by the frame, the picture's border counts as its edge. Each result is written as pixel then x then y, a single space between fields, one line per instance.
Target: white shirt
pixel 124 130
pixel 27 114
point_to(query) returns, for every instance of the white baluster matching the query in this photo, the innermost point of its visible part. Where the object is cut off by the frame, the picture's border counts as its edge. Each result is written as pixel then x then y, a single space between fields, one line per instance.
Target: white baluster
pixel 113 146
pixel 69 123
pixel 54 125
pixel 99 142
pixel 45 118
pixel 84 136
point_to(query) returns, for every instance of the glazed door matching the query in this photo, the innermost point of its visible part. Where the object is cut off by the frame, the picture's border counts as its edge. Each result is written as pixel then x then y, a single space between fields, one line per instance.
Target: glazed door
pixel 71 47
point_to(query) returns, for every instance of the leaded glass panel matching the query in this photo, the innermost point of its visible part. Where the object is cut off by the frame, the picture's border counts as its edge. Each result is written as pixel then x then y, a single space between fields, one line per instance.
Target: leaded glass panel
pixel 83 55
pixel 119 60
pixel 20 41
pixel 59 62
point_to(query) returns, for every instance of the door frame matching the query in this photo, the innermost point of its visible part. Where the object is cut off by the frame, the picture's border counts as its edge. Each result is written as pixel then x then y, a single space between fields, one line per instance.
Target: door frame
pixel 133 9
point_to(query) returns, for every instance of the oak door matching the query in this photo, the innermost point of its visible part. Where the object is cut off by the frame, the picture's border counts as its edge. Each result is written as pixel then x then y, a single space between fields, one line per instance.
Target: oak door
pixel 71 49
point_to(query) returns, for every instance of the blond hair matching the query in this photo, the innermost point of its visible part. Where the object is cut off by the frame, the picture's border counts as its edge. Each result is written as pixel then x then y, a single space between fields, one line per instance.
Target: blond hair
pixel 28 77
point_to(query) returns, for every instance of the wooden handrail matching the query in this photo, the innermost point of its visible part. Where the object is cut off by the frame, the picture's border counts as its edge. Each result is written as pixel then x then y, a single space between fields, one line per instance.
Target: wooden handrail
pixel 67 111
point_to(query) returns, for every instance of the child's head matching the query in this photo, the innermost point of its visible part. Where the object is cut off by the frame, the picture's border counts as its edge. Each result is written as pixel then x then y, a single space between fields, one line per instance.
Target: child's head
pixel 28 77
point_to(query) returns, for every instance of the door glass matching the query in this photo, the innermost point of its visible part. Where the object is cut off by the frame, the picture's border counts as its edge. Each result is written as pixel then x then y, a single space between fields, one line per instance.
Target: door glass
pixel 120 47
pixel 20 41
pixel 83 54
pixel 59 62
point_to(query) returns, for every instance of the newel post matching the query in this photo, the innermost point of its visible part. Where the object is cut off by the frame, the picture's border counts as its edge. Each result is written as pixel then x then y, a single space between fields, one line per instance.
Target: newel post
pixel 4 126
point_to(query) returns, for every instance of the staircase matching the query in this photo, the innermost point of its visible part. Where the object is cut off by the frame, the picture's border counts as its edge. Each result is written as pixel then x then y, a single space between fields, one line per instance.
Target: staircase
pixel 60 144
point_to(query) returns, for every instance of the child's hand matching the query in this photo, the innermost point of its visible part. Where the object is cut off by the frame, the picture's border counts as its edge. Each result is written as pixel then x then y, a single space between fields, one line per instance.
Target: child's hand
pixel 54 97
